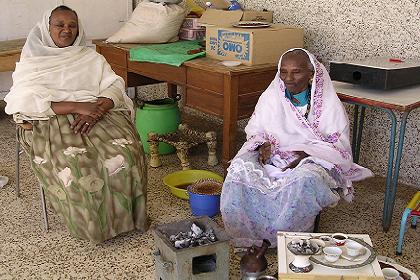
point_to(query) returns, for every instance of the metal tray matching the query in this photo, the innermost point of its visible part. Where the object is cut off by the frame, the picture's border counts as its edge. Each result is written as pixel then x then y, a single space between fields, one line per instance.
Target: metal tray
pixel 343 263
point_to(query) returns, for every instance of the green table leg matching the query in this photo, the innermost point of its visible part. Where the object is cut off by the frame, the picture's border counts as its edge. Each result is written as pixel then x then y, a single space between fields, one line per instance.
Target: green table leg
pixel 392 190
pixel 388 192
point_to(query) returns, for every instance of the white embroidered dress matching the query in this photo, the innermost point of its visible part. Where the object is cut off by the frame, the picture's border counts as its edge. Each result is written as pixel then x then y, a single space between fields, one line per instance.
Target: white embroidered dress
pixel 257 201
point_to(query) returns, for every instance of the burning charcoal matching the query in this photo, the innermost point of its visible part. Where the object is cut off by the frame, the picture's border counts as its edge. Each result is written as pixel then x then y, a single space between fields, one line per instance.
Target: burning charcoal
pixel 212 236
pixel 196 230
pixel 193 238
pixel 178 244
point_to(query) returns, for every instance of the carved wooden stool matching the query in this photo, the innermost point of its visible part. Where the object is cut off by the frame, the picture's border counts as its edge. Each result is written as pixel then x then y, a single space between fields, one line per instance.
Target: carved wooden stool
pixel 183 139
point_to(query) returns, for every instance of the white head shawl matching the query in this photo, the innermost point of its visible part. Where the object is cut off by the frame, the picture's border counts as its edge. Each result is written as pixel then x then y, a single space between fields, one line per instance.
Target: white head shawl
pixel 47 73
pixel 324 135
pixel 40 43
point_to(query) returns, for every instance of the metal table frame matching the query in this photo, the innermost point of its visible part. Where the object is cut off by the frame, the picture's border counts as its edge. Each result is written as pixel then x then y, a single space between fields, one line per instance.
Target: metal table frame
pixel 393 165
pixel 346 93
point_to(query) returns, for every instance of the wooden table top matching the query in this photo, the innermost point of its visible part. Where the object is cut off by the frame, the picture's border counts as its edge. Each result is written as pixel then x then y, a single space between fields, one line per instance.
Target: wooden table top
pixel 11 46
pixel 204 63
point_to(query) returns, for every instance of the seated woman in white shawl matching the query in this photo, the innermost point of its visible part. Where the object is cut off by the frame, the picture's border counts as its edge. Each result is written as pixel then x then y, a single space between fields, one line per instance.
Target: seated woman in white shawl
pixel 83 147
pixel 297 157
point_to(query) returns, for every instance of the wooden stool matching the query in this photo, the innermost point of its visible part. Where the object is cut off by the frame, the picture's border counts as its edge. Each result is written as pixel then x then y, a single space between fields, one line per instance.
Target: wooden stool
pixel 412 210
pixel 183 139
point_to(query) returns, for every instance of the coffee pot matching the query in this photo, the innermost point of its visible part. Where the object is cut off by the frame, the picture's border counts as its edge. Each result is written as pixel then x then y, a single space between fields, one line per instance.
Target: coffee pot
pixel 254 263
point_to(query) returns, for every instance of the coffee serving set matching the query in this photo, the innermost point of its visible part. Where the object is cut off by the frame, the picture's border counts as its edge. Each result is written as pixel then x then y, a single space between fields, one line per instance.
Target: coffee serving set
pixel 335 251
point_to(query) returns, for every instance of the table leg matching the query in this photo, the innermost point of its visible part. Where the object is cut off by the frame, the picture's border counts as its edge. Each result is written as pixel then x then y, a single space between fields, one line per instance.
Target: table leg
pixel 172 90
pixel 388 191
pixel 357 132
pixel 392 188
pixel 355 127
pixel 230 117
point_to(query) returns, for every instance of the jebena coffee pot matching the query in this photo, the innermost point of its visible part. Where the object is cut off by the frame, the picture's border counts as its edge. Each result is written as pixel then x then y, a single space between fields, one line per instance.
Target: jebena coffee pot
pixel 254 263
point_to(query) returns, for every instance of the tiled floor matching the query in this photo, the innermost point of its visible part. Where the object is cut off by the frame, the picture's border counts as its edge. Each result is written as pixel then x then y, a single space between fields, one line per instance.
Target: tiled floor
pixel 28 252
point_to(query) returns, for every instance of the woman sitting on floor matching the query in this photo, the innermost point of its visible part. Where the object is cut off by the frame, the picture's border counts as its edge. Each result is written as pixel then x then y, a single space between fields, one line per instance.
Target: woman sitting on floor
pixel 297 157
pixel 78 133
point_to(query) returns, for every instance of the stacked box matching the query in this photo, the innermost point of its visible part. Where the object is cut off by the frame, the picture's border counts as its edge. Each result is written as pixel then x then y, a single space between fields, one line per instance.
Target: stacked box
pixel 192 34
pixel 191 22
pixel 191 29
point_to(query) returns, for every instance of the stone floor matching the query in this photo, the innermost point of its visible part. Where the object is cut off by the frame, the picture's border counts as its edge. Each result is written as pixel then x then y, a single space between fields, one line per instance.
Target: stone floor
pixel 28 252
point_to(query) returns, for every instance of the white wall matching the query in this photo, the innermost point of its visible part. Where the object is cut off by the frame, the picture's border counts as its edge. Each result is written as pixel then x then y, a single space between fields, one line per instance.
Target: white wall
pixel 100 18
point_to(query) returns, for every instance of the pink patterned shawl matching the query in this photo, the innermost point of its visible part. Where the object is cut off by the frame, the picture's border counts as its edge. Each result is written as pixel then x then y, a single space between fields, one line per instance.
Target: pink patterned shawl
pixel 324 135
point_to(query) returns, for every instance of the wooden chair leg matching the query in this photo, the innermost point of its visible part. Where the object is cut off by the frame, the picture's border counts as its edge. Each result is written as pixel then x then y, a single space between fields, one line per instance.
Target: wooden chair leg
pixel 211 145
pixel 182 153
pixel 154 150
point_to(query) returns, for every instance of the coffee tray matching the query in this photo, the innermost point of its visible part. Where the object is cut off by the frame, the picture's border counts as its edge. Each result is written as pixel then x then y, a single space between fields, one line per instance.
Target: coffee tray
pixel 346 262
pixel 366 267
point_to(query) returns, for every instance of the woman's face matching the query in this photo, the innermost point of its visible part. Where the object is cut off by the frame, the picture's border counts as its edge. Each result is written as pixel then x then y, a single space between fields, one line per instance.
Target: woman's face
pixel 63 28
pixel 295 72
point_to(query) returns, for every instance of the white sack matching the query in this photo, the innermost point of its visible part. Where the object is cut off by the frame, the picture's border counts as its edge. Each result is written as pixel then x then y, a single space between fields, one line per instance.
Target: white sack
pixel 151 23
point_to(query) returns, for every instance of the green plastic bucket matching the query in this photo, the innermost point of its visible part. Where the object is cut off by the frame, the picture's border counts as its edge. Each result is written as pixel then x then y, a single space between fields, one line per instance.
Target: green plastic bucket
pixel 159 116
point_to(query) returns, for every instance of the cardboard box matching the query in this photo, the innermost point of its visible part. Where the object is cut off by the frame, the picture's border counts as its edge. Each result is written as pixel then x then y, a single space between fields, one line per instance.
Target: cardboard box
pixel 252 45
pixel 227 18
pixel 250 15
pixel 191 22
pixel 213 17
pixel 192 34
pixel 220 4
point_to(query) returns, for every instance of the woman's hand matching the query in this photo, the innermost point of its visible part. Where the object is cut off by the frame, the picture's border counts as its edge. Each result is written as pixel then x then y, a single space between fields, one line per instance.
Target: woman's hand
pixel 88 108
pixel 301 155
pixel 105 104
pixel 83 124
pixel 264 153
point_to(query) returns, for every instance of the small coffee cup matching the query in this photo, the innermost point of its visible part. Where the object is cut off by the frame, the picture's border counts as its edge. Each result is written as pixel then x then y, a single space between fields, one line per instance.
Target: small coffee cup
pixel 354 248
pixel 339 238
pixel 390 273
pixel 332 254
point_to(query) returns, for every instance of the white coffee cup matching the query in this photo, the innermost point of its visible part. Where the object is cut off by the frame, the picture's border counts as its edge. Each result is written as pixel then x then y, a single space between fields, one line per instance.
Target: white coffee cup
pixel 332 254
pixel 339 238
pixel 390 273
pixel 354 248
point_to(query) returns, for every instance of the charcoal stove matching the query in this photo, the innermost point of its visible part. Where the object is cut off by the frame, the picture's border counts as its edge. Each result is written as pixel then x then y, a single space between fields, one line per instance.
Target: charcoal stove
pixel 205 262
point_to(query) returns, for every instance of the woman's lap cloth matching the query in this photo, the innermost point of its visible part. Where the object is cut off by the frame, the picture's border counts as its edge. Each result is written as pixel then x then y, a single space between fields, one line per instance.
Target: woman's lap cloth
pixel 99 189
pixel 254 207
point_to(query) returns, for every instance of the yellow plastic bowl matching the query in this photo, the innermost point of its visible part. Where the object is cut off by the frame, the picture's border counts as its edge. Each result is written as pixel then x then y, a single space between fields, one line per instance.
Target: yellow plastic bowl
pixel 179 181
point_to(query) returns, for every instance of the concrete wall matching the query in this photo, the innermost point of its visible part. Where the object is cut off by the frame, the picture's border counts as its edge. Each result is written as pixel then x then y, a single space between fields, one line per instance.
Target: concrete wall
pixel 100 18
pixel 334 30
pixel 355 29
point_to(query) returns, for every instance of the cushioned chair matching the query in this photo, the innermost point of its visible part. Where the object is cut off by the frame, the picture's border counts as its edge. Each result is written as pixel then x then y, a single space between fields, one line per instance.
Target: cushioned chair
pixel 412 210
pixel 19 151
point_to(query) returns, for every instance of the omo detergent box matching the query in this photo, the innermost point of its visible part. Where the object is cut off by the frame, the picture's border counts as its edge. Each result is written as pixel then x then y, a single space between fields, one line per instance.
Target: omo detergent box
pixel 252 45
